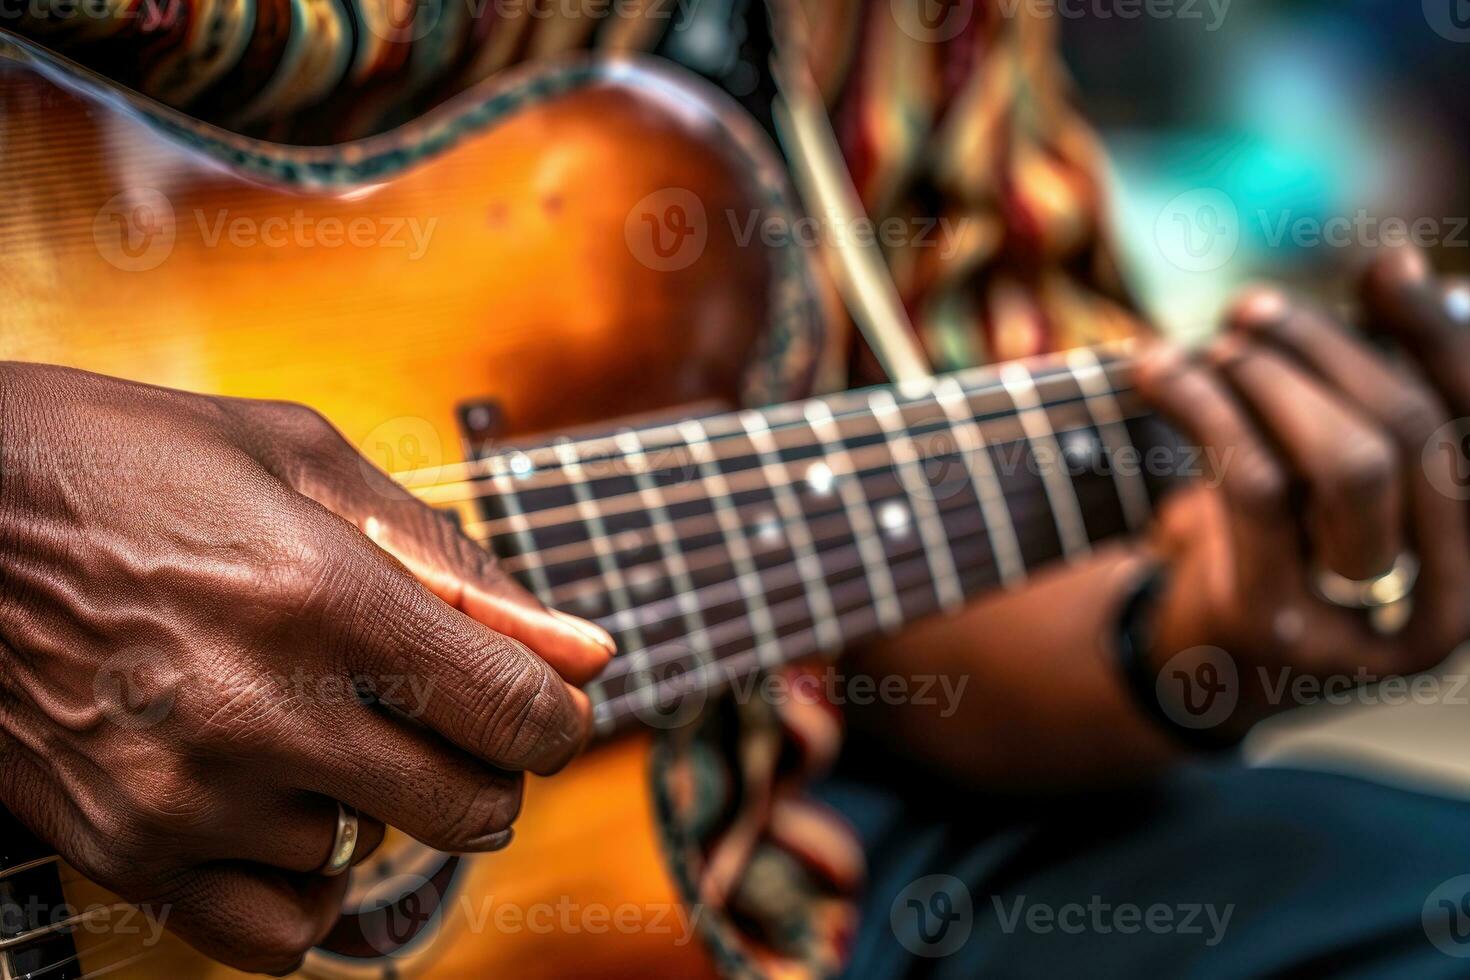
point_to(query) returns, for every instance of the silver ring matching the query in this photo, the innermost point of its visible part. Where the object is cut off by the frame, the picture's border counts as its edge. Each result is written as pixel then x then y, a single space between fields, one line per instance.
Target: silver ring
pixel 1386 598
pixel 344 844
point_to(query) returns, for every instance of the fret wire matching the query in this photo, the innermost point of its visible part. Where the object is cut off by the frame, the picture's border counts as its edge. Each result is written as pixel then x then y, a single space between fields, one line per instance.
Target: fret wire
pixel 845 546
pixel 975 451
pixel 616 585
pixel 699 677
pixel 507 498
pixel 814 579
pixel 847 549
pixel 974 376
pixel 926 516
pixel 1000 416
pixel 843 404
pixel 1037 426
pixel 707 523
pixel 859 513
pixel 1102 404
pixel 736 665
pixel 571 591
pixel 711 476
pixel 651 496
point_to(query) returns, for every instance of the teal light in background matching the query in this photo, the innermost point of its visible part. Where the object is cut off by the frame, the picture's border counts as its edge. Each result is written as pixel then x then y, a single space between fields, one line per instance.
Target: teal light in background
pixel 1282 143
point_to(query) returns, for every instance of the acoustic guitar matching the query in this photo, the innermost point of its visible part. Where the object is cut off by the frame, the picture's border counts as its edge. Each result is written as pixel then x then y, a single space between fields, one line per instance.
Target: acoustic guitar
pixel 528 259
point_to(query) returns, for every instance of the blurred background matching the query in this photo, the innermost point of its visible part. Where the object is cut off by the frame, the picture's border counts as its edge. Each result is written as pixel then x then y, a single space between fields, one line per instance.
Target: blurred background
pixel 1275 138
pixel 1283 139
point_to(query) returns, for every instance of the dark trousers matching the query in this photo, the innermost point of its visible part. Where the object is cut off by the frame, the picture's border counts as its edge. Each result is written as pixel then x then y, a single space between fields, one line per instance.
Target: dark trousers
pixel 1215 871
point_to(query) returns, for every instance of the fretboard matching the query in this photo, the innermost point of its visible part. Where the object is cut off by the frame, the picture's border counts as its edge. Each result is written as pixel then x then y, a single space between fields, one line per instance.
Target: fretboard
pixel 715 547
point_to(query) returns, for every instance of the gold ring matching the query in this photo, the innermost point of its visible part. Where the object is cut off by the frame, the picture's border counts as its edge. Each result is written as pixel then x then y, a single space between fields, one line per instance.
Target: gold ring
pixel 344 844
pixel 1387 598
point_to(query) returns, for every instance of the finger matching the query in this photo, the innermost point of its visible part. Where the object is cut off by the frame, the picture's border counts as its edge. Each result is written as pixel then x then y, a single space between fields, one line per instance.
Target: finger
pixel 467 576
pixel 412 780
pixel 327 469
pixel 1404 301
pixel 1252 481
pixel 1404 408
pixel 251 918
pixel 1354 507
pixel 486 692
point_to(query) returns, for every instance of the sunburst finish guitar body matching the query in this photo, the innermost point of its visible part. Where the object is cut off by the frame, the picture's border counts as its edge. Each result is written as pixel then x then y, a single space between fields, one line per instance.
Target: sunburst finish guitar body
pixel 496 277
pixel 560 251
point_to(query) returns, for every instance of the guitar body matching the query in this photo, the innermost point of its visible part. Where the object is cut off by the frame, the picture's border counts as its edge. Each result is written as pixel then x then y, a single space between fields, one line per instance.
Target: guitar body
pixel 523 291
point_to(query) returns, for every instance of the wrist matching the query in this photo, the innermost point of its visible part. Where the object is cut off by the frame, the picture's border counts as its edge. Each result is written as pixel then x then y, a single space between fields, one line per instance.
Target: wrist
pixel 1191 692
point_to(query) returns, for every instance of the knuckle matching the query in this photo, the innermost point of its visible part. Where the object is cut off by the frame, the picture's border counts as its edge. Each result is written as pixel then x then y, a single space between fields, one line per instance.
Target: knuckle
pixel 490 809
pixel 1258 486
pixel 520 709
pixel 1414 418
pixel 1365 471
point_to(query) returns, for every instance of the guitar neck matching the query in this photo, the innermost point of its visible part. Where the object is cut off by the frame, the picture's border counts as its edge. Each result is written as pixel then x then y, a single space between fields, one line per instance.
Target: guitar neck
pixel 715 547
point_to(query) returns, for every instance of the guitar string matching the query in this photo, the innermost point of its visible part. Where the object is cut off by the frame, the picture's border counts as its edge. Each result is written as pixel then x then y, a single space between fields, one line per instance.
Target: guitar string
pixel 612 705
pixel 590 547
pixel 621 706
pixel 974 382
pixel 690 492
pixel 558 478
pixel 799 426
pixel 879 489
pixel 578 452
pixel 974 534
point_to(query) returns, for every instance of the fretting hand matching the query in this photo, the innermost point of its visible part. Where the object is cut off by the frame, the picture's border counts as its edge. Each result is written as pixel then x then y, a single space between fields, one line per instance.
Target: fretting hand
pixel 1336 470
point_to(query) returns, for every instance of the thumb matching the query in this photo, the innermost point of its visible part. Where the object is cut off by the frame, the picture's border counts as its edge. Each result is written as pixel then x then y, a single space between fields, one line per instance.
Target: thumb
pixel 433 548
pixel 468 577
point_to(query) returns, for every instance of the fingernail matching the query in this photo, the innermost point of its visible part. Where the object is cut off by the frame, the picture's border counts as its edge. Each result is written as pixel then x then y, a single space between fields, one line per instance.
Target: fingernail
pixel 1161 360
pixel 588 629
pixel 1411 264
pixel 497 841
pixel 1260 306
pixel 1226 351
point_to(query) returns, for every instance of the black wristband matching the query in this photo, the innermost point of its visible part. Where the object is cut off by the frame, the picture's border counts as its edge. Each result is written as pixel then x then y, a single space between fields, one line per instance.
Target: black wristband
pixel 1134 640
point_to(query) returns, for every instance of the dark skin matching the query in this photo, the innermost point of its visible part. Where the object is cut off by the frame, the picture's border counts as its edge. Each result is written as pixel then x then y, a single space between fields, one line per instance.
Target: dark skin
pixel 224 549
pixel 232 544
pixel 1326 439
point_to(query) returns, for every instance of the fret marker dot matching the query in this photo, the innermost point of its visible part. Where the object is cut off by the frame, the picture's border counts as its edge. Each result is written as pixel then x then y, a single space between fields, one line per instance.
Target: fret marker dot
pixel 521 465
pixel 1457 303
pixel 768 530
pixel 1079 448
pixel 820 478
pixel 894 517
pixel 644 580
